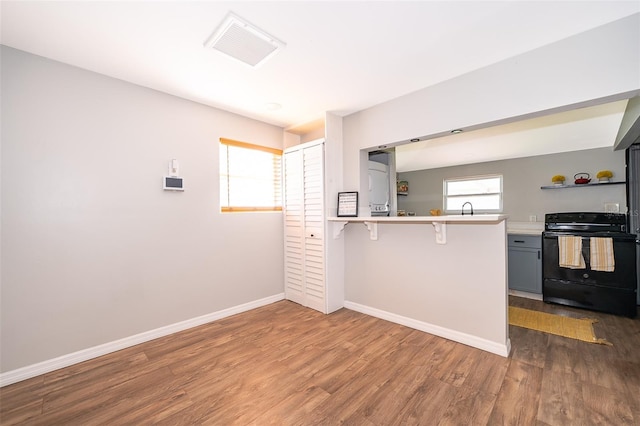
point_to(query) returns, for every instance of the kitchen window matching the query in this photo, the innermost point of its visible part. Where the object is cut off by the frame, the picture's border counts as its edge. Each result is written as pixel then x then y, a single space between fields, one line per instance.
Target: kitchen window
pixel 250 177
pixel 483 192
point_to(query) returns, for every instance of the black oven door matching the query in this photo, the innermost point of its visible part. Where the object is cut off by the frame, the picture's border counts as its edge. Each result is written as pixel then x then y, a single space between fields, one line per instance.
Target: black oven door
pixel 613 292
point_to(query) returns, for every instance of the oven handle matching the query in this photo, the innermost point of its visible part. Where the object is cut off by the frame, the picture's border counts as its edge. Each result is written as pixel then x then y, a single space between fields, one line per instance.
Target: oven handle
pixel 616 237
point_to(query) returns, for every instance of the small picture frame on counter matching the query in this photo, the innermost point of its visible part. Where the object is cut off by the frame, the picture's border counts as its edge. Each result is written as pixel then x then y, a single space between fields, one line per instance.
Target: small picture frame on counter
pixel 348 204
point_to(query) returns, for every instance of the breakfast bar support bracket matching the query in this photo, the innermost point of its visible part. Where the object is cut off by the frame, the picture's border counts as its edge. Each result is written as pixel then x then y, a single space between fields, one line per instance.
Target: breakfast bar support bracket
pixel 373 230
pixel 338 227
pixel 441 232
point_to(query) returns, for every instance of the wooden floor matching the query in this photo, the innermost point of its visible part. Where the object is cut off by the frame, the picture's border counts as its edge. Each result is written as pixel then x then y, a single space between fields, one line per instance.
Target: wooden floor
pixel 283 364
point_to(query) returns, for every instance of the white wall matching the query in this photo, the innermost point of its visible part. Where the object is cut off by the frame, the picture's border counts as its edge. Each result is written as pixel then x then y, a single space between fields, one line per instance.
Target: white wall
pixel 93 250
pixel 522 179
pixel 597 66
pixel 313 135
pixel 457 290
pixel 334 248
pixel 593 67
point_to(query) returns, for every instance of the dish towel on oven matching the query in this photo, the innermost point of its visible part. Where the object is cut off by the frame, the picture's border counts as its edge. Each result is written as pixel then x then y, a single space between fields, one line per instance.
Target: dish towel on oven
pixel 602 254
pixel 570 252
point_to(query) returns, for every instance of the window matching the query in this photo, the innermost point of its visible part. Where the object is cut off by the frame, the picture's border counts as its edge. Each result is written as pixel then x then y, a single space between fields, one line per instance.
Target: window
pixel 483 192
pixel 249 177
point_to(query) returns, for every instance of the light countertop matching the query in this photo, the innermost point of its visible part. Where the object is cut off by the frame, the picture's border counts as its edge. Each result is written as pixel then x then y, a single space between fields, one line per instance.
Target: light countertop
pixel 525 228
pixel 522 228
pixel 479 218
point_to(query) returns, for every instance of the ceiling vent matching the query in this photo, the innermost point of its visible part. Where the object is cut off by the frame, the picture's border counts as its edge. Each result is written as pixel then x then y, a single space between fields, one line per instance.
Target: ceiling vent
pixel 243 41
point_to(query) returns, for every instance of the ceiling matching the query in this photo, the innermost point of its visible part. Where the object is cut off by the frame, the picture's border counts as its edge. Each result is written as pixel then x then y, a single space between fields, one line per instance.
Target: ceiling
pixel 575 130
pixel 340 56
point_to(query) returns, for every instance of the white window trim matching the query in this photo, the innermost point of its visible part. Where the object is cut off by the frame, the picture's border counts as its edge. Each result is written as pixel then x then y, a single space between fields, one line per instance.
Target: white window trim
pixel 468 178
pixel 255 208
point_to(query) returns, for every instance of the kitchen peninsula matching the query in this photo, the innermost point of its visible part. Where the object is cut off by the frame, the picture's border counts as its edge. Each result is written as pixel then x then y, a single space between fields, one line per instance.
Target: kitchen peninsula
pixel 445 275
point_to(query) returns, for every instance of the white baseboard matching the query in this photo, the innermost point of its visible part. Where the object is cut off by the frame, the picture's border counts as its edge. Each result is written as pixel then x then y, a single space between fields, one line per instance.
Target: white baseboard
pixel 34 370
pixel 525 294
pixel 456 336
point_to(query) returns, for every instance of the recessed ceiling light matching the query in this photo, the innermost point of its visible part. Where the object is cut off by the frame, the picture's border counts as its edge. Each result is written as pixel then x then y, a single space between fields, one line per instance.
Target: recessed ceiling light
pixel 273 106
pixel 243 41
pixel 454 131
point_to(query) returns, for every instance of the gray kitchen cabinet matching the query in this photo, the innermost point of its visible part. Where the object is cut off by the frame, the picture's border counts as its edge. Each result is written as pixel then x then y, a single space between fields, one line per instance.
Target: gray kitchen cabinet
pixel 525 263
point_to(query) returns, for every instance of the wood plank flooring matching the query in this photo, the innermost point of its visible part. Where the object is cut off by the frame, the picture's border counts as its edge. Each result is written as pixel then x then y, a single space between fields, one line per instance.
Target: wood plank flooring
pixel 284 364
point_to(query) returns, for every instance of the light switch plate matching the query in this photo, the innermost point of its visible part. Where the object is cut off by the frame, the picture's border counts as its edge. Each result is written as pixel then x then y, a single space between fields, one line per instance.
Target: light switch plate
pixel 612 207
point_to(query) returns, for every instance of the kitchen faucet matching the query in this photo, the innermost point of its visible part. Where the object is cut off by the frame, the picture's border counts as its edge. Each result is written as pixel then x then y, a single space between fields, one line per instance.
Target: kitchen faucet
pixel 470 205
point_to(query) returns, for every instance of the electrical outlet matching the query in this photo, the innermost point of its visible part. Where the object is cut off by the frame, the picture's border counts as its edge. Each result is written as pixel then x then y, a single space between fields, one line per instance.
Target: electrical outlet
pixel 612 207
pixel 533 218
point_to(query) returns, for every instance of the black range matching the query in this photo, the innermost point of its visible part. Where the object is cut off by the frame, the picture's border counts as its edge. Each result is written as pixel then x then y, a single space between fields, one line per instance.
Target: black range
pixel 582 286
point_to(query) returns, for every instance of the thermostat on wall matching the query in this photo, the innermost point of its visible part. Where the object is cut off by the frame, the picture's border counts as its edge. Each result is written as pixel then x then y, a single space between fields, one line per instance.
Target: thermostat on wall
pixel 173 183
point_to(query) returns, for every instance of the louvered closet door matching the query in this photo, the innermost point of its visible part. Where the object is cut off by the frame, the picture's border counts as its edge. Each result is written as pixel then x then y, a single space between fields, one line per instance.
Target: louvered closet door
pixel 293 227
pixel 313 212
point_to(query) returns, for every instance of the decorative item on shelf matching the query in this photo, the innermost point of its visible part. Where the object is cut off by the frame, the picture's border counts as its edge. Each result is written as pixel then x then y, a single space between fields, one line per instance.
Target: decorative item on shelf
pixel 558 180
pixel 401 213
pixel 348 204
pixel 582 178
pixel 403 187
pixel 604 176
pixel 435 212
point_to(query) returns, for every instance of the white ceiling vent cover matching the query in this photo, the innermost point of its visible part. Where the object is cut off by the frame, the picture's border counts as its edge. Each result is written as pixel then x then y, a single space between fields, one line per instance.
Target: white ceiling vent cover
pixel 243 41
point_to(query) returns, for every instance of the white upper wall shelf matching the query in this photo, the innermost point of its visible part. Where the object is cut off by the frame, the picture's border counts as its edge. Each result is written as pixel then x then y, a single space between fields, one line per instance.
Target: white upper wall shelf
pixel 573 185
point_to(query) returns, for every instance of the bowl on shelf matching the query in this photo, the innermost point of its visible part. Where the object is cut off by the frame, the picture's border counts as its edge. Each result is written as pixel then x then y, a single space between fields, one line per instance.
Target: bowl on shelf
pixel 558 180
pixel 604 176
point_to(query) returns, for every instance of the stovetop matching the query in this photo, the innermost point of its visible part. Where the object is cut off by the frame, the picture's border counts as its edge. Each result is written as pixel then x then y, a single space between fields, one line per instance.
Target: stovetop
pixel 586 222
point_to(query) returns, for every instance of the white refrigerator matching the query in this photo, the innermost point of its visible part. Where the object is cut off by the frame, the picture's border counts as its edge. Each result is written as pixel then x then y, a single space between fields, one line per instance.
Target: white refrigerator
pixel 633 200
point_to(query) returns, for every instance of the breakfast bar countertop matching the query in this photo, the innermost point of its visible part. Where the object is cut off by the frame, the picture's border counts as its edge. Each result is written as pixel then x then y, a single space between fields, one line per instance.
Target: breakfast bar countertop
pixel 479 218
